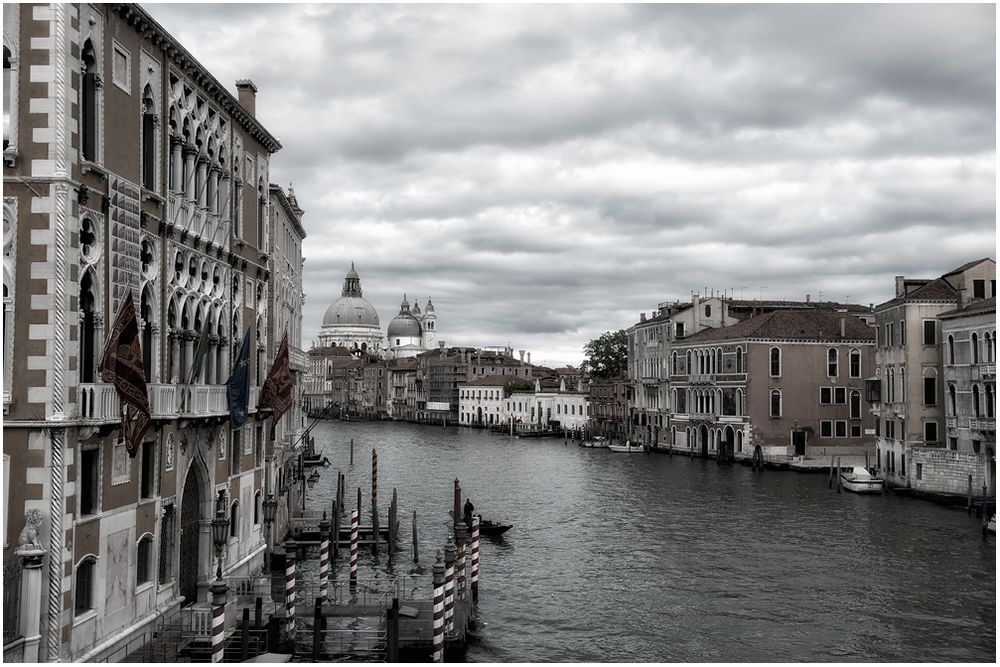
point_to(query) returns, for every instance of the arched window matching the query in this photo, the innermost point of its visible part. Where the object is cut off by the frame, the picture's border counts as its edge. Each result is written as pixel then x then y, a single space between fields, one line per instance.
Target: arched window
pixel 256 508
pixel 234 519
pixel 951 349
pixel 831 362
pixel 775 362
pixel 976 410
pixel 775 403
pixel 855 363
pixel 739 403
pixel 9 113
pixel 988 343
pixel 88 328
pixel 148 140
pixel 261 216
pixel 718 360
pixel 952 401
pixel 673 363
pixel 708 310
pixel 739 360
pixel 687 362
pixel 989 401
pixel 974 343
pixel 88 103
pixel 144 560
pixel 902 384
pixel 83 592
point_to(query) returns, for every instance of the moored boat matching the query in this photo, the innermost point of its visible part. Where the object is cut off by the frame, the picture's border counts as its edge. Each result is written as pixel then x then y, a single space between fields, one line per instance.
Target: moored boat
pixel 627 448
pixel 859 480
pixel 597 442
pixel 488 527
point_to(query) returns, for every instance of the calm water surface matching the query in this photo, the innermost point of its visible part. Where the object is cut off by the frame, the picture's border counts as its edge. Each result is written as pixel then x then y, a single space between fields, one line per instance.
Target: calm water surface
pixel 629 558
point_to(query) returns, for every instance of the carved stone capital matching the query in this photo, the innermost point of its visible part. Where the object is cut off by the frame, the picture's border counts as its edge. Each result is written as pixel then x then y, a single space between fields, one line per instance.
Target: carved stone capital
pixel 190 150
pixel 213 339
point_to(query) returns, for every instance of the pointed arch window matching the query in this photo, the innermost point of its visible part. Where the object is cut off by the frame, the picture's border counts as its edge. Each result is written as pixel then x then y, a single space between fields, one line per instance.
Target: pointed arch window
pixel 739 360
pixel 148 140
pixel 951 349
pixel 952 400
pixel 976 409
pixel 234 519
pixel 261 216
pixel 974 346
pixel 9 110
pixel 88 328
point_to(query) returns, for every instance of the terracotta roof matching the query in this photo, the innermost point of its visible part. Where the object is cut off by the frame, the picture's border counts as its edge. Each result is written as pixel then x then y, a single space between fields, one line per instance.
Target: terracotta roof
pixel 788 325
pixel 977 306
pixel 934 290
pixel 967 266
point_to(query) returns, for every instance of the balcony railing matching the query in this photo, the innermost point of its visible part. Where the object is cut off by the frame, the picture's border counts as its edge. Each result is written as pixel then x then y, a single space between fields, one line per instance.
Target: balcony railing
pixel 983 424
pixel 162 400
pixel 950 422
pixel 98 402
pixel 987 370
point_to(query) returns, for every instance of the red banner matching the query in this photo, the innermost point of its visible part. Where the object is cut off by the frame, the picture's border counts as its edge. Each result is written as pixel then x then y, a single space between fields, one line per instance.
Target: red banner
pixel 121 365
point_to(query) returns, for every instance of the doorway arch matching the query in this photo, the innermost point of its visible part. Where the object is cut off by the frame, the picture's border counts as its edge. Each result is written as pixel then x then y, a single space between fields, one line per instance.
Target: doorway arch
pixel 190 542
pixel 703 436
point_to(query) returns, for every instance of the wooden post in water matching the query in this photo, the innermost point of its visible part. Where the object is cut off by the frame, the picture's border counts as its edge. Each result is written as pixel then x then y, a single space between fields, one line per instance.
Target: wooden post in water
pixel 317 629
pixel 415 555
pixel 985 512
pixel 375 504
pixel 392 631
pixel 839 483
pixel 352 451
pixel 245 635
pixel 258 609
pixel 457 509
pixel 866 460
pixel 969 499
pixel 830 484
pixel 335 526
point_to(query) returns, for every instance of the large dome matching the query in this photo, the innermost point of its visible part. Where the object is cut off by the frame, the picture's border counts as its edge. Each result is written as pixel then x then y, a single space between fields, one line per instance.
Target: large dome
pixel 351 311
pixel 404 325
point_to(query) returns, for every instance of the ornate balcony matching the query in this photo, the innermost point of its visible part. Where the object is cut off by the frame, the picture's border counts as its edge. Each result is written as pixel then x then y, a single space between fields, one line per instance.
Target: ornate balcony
pixel 983 425
pixel 987 370
pixel 162 400
pixel 950 422
pixel 98 402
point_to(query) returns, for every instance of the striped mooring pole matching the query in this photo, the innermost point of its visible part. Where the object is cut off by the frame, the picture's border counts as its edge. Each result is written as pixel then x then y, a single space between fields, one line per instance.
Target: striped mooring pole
pixel 374 489
pixel 460 533
pixel 449 584
pixel 324 556
pixel 438 609
pixel 219 591
pixel 475 558
pixel 290 548
pixel 354 546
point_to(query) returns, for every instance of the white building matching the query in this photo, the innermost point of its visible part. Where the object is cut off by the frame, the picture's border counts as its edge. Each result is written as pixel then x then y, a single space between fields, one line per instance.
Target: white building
pixel 351 321
pixel 412 332
pixel 483 402
pixel 549 406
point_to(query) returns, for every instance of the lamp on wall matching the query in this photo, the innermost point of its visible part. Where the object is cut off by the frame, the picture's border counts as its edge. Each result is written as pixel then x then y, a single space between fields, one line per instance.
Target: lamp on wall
pixel 220 524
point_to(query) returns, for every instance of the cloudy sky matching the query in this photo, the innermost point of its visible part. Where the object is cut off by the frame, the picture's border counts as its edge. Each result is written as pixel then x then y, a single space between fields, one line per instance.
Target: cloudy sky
pixel 545 173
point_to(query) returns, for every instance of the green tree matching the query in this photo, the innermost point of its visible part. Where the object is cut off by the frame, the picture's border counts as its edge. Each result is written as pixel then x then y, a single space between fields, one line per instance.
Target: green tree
pixel 606 356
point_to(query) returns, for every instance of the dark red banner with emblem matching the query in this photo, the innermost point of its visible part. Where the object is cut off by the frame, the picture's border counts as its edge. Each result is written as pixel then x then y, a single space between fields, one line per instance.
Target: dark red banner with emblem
pixel 121 365
pixel 276 393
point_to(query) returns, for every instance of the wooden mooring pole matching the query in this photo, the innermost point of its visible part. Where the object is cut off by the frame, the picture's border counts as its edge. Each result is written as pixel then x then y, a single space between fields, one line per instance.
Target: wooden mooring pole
pixel 245 635
pixel 839 484
pixel 317 629
pixel 830 484
pixel 375 504
pixel 969 499
pixel 392 631
pixel 352 451
pixel 415 555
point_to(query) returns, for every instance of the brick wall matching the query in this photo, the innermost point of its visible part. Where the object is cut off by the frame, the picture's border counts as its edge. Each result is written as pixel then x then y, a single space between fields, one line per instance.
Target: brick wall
pixel 946 471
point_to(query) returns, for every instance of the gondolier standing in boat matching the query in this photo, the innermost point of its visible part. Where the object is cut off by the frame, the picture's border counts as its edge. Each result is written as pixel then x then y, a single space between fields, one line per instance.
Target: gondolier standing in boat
pixel 467 513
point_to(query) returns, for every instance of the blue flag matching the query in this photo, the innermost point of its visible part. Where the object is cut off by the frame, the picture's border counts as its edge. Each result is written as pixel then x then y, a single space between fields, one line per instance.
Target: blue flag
pixel 238 385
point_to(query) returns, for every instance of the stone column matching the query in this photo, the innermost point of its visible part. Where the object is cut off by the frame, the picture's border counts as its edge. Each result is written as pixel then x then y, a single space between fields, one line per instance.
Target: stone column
pixel 31 599
pixel 154 376
pixel 224 368
pixel 176 164
pixel 189 155
pixel 213 189
pixel 189 338
pixel 175 355
pixel 210 372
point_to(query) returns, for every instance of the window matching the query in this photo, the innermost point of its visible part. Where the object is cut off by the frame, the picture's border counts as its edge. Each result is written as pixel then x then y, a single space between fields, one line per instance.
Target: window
pixel 708 310
pixel 855 363
pixel 888 334
pixel 234 519
pixel 258 445
pixel 143 556
pixel 234 452
pixel 952 443
pixel 148 140
pixel 775 362
pixel 831 362
pixel 166 543
pixel 920 471
pixel 974 347
pixel 840 429
pixel 902 464
pixel 975 402
pixel 84 592
pixel 826 429
pixel 679 330
pixel 825 395
pixel 930 391
pixel 840 395
pixel 88 103
pixel 261 216
pixel 951 400
pixel 902 333
pixel 256 509
pixel 951 349
pixel 739 360
pixel 855 405
pixel 687 362
pixel 8 85
pixel 979 289
pixel 775 403
pixel 930 432
pixel 989 401
pixel 902 384
pixel 930 332
pixel 148 469
pixel 90 479
pixel 855 430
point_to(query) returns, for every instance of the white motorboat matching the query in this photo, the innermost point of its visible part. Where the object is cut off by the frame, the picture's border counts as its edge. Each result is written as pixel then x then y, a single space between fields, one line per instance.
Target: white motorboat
pixel 597 442
pixel 627 448
pixel 859 480
pixel 992 525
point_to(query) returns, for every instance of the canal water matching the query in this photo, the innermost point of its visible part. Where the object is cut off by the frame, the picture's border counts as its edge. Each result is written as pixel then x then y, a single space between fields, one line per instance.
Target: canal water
pixel 640 558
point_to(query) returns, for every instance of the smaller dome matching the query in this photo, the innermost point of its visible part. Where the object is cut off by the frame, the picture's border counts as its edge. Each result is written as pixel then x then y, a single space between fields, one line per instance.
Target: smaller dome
pixel 404 325
pixel 430 306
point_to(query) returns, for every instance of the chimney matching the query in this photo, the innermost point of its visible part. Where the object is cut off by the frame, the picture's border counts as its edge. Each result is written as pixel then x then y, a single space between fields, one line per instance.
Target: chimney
pixel 642 317
pixel 843 327
pixel 808 298
pixel 900 289
pixel 521 352
pixel 247 92
pixel 529 358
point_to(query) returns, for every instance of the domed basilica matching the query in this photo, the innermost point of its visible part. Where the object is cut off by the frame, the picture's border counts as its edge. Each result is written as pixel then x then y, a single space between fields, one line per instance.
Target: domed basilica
pixel 352 322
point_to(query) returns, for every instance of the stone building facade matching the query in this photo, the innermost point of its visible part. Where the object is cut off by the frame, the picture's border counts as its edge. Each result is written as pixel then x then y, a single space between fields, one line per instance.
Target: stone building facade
pixel 128 168
pixel 910 392
pixel 789 381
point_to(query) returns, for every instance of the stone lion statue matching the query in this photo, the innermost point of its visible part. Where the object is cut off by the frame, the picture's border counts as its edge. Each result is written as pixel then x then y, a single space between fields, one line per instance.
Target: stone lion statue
pixel 30 536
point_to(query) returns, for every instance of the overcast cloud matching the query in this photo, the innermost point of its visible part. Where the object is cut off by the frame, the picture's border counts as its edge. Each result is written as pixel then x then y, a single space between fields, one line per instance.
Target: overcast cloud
pixel 546 172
